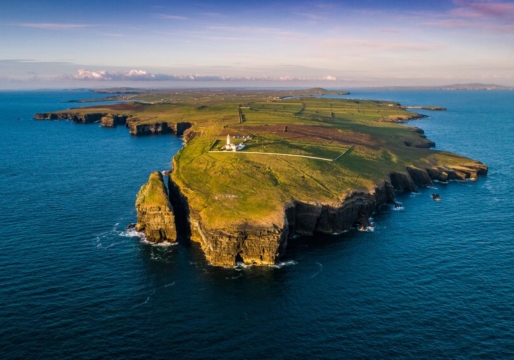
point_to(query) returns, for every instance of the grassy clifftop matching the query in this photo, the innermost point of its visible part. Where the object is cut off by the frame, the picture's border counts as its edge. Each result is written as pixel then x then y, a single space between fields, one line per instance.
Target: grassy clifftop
pixel 306 149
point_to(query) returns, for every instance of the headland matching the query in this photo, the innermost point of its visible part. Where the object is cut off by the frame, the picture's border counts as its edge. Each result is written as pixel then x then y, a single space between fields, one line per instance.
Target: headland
pixel 260 166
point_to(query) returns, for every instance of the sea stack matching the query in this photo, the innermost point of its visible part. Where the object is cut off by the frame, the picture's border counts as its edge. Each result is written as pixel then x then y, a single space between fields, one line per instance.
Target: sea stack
pixel 155 217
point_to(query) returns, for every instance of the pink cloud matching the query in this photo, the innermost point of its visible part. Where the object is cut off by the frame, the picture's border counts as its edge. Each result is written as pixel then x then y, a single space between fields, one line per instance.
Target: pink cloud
pixel 490 9
pixel 491 16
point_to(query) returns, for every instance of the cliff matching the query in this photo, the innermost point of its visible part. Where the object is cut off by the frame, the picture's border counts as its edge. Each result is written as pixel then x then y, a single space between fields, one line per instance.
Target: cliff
pixel 155 215
pixel 113 120
pixel 137 125
pixel 265 244
pixel 86 118
pixel 137 128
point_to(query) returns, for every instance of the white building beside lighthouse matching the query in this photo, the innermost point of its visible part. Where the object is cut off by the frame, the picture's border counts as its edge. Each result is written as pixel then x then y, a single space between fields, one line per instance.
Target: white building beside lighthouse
pixel 232 147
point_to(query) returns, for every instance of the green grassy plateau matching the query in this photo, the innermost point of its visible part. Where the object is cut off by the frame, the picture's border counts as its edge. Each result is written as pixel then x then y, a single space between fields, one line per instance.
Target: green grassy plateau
pixel 358 143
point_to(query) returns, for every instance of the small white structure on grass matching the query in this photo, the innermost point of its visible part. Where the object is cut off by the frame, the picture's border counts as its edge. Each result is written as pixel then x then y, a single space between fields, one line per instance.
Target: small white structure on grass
pixel 232 147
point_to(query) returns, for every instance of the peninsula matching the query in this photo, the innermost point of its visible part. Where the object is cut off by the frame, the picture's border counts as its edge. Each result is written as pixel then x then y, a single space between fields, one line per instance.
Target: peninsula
pixel 260 166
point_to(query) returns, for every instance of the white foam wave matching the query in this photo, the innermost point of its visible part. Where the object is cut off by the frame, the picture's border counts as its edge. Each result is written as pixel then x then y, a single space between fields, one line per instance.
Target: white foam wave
pixel 319 270
pixel 133 233
pixel 114 244
pixel 398 207
pixel 339 233
pixel 171 284
pixel 105 240
pixel 242 265
pixel 281 264
pixel 161 244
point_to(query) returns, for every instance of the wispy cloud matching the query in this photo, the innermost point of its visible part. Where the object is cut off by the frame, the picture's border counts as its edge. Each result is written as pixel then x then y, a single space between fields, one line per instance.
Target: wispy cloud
pixel 491 16
pixel 215 15
pixel 115 35
pixel 310 16
pixel 256 30
pixel 355 43
pixel 171 17
pixel 390 31
pixel 54 26
pixel 480 8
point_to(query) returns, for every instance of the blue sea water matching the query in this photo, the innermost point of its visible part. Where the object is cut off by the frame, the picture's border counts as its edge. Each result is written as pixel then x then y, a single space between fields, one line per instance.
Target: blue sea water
pixel 433 280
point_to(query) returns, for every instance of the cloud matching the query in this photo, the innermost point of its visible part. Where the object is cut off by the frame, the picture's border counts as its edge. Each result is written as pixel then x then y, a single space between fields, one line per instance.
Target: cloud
pixel 491 16
pixel 54 26
pixel 489 9
pixel 105 75
pixel 214 15
pixel 470 24
pixel 310 16
pixel 377 45
pixel 171 17
pixel 142 75
pixel 255 30
pixel 389 31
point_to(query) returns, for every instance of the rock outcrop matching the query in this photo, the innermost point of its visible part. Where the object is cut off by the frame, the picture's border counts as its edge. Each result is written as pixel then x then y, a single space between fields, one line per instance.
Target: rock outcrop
pixel 155 217
pixel 113 120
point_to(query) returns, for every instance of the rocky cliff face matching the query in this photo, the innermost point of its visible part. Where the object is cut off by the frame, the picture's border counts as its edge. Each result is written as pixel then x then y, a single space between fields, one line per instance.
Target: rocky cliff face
pixel 157 128
pixel 75 117
pixel 245 244
pixel 113 120
pixel 264 245
pixel 155 215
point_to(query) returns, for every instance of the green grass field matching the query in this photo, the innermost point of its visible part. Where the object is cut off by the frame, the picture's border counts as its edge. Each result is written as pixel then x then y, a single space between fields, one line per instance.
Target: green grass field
pixel 227 189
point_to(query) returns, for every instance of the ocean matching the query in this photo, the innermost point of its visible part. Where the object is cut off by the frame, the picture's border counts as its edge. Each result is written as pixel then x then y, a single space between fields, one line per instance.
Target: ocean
pixel 433 280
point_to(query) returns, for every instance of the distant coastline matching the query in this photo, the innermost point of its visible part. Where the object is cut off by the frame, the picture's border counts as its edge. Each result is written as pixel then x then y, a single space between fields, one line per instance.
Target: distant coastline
pixel 471 87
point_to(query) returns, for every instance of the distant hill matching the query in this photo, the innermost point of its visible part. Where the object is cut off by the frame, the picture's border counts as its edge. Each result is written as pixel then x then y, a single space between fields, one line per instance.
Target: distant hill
pixel 473 86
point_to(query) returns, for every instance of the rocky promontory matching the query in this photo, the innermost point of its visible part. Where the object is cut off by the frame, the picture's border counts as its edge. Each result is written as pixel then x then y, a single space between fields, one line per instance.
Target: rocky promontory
pixel 137 125
pixel 155 216
pixel 76 117
pixel 260 167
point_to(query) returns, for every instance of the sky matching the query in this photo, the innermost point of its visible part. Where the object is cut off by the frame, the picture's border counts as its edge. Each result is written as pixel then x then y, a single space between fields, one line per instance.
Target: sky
pixel 195 43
